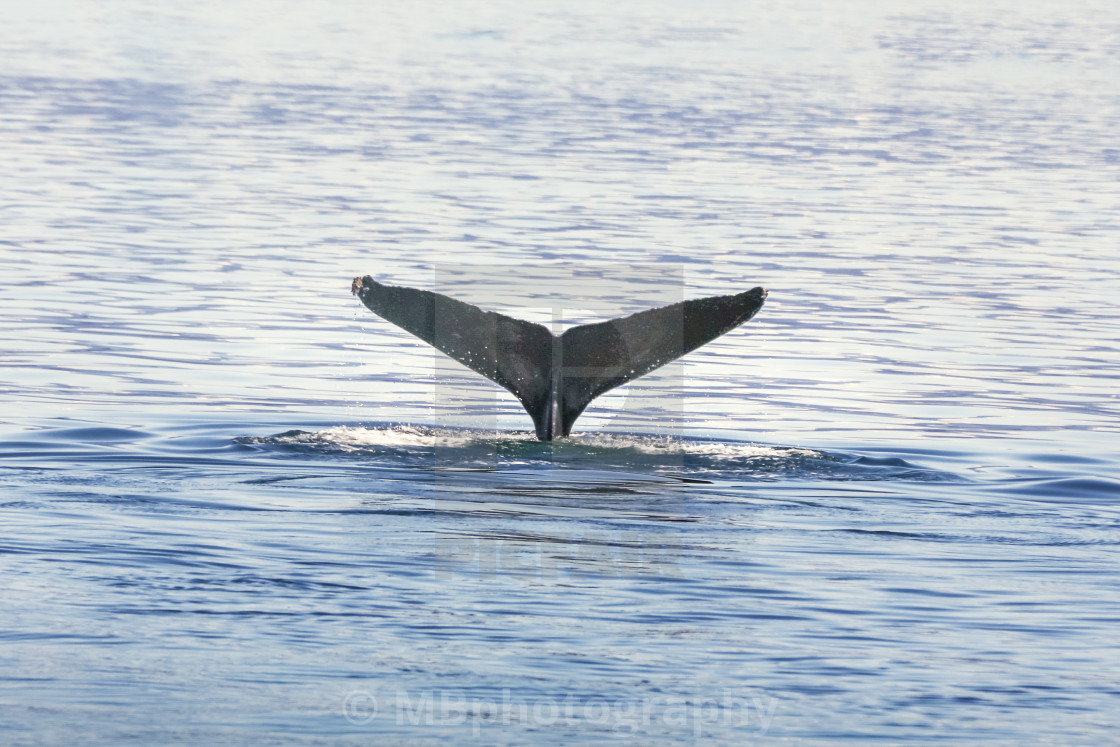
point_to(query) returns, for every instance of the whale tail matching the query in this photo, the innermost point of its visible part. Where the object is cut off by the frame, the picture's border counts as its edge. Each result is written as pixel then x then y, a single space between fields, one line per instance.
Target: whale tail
pixel 556 377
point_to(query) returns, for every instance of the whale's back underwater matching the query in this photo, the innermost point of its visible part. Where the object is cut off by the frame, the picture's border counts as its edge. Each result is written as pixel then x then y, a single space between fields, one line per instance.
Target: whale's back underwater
pixel 556 377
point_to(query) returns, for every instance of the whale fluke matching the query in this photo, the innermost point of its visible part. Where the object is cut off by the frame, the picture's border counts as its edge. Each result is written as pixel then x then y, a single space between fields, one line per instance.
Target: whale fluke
pixel 555 378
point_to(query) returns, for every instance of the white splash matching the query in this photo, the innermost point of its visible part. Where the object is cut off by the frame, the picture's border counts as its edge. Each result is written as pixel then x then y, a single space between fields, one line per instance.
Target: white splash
pixel 348 438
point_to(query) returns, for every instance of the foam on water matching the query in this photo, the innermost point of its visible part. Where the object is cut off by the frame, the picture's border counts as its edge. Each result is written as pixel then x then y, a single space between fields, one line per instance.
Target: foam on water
pixel 641 453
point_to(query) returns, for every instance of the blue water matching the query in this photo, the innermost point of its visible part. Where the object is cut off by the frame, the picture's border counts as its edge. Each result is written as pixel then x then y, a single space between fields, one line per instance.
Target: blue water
pixel 239 508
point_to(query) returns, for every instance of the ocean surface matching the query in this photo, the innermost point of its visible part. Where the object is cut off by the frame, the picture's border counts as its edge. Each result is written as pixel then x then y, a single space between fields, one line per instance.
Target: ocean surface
pixel 238 508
